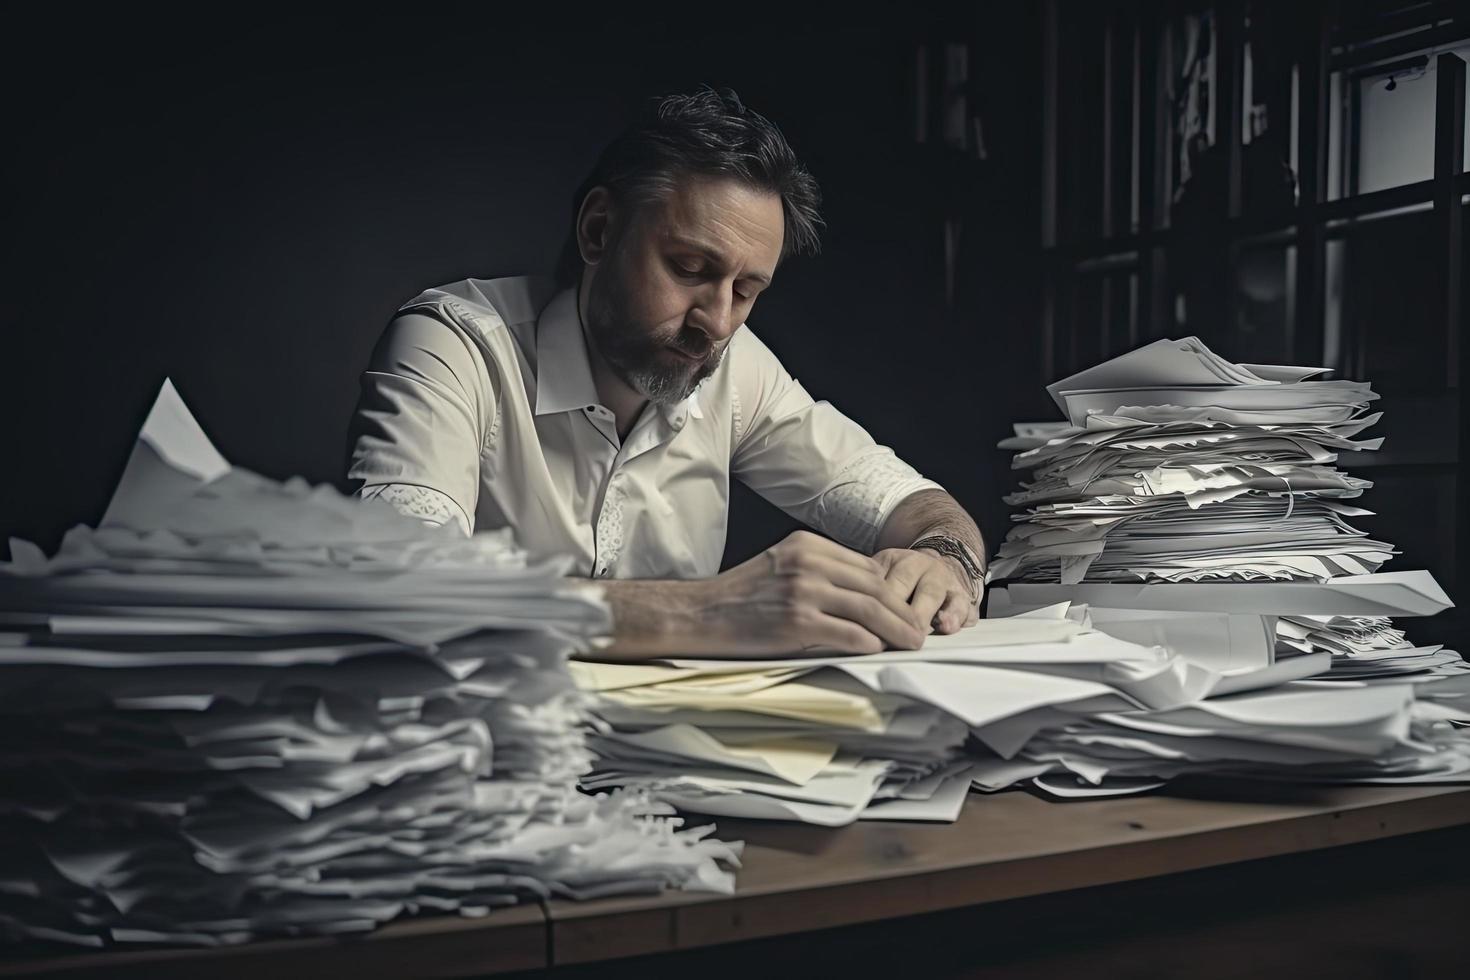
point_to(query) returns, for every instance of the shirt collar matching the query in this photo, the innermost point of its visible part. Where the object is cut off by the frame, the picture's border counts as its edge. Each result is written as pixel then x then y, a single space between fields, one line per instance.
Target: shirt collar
pixel 564 371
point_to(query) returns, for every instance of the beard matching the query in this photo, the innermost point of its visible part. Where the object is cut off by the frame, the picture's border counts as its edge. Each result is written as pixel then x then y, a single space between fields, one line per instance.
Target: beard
pixel 664 366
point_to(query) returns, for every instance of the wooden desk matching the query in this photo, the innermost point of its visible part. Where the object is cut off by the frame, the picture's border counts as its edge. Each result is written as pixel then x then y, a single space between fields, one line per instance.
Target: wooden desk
pixel 1003 847
pixel 799 879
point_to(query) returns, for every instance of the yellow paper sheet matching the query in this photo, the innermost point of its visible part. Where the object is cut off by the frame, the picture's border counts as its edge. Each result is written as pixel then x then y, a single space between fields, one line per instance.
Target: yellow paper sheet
pixel 803 702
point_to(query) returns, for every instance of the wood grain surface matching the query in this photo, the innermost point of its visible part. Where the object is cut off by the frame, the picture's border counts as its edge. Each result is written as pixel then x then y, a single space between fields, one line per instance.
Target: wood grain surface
pixel 799 878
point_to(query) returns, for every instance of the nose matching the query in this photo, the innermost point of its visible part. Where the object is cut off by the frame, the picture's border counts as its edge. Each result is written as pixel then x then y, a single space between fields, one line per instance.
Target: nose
pixel 716 311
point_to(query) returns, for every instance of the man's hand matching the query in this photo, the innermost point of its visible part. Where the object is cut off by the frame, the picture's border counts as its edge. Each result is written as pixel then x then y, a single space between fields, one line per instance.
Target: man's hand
pixel 934 586
pixel 806 593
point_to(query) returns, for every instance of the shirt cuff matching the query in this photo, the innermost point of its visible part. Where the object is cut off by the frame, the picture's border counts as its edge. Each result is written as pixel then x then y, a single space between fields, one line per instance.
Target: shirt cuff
pixel 426 504
pixel 856 505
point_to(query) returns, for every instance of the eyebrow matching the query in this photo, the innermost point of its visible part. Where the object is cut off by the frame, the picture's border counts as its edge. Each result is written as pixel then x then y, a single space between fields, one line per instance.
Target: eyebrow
pixel 716 257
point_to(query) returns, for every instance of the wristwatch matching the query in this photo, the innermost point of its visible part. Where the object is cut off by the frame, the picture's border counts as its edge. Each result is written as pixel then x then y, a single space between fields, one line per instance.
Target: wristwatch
pixel 953 547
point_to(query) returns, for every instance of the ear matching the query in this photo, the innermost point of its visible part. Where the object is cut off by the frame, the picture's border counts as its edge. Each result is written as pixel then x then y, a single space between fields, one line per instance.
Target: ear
pixel 594 225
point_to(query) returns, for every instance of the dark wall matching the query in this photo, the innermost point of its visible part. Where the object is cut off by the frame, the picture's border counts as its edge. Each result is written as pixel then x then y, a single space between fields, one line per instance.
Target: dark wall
pixel 244 209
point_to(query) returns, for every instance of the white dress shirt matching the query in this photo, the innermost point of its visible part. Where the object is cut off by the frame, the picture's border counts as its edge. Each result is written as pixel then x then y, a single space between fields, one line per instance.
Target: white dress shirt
pixel 479 406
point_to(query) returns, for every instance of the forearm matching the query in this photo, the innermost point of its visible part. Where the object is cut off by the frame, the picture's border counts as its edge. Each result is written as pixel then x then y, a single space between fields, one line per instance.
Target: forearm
pixel 656 618
pixel 805 593
pixel 929 512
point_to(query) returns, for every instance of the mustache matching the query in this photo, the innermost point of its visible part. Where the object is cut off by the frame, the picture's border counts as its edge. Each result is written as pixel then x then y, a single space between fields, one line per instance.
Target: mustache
pixel 698 355
pixel 694 343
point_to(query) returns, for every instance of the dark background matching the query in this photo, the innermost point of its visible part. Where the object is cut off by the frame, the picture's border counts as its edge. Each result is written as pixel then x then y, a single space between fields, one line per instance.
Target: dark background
pixel 244 210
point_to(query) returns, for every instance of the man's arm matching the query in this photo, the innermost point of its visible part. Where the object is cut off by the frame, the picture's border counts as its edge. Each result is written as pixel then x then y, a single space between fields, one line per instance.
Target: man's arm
pixel 421 503
pixel 939 587
pixel 805 593
pixel 808 458
pixel 427 399
pixel 826 470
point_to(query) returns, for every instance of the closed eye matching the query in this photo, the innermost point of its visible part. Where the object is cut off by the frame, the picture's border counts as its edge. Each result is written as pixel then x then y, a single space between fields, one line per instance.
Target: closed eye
pixel 699 274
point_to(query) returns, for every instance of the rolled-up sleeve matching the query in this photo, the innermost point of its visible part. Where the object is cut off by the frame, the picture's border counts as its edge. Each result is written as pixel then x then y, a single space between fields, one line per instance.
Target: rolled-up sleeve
pixel 808 458
pixel 425 406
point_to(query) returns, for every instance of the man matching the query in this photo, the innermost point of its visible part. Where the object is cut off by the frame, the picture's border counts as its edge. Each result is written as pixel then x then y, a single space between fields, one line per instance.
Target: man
pixel 604 419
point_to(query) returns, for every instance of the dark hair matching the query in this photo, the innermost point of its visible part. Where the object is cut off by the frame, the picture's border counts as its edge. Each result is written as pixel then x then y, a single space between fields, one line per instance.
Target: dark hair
pixel 706 133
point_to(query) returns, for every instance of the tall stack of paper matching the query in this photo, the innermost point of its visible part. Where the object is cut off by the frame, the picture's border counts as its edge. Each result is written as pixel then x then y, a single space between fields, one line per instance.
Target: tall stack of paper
pixel 1176 466
pixel 1180 467
pixel 832 739
pixel 242 708
pixel 1194 502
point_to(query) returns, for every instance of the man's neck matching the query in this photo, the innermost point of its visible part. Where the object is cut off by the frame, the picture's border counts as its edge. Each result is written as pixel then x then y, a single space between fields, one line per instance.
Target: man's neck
pixel 625 403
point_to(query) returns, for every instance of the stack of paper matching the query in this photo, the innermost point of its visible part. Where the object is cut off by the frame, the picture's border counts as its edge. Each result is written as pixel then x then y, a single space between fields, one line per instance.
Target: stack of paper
pixel 241 708
pixel 832 739
pixel 1413 593
pixel 1177 466
pixel 1362 646
pixel 1238 625
pixel 1303 731
pixel 811 745
pixel 1192 503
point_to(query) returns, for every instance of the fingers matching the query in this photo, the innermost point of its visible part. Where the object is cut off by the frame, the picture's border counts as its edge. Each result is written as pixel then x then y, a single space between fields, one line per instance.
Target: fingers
pixel 870 612
pixel 809 593
pixel 803 543
pixel 925 583
pixel 843 584
pixel 902 569
pixel 956 613
pixel 824 632
pixel 869 584
pixel 929 598
pixel 830 562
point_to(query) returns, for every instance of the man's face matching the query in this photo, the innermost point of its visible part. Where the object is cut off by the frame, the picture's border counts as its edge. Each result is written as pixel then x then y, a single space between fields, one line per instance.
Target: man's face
pixel 677 279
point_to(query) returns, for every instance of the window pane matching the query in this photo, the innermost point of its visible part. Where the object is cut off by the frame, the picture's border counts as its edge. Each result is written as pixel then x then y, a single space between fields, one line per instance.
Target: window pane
pixel 1383 121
